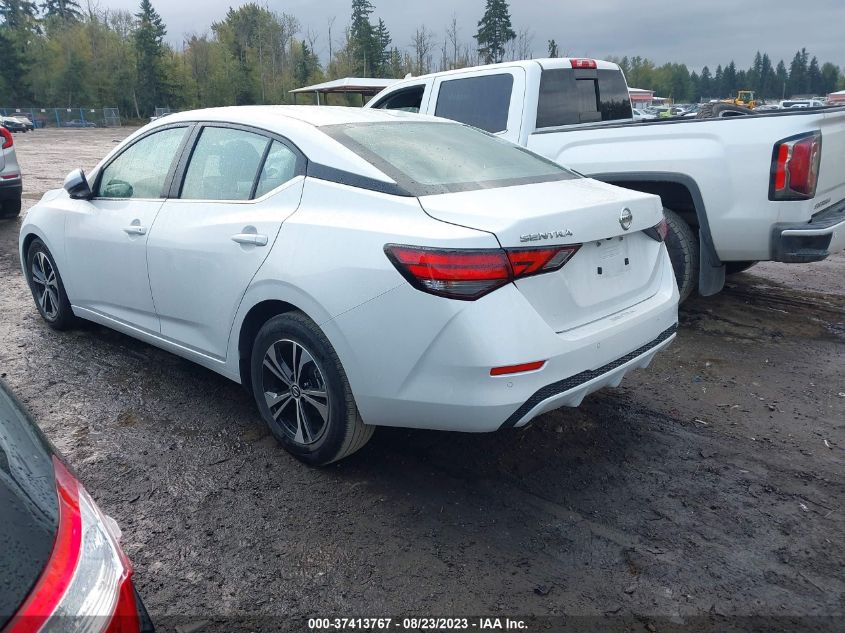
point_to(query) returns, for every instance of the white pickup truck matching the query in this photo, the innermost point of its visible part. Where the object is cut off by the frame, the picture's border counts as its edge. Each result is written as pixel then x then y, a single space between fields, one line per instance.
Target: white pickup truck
pixel 737 190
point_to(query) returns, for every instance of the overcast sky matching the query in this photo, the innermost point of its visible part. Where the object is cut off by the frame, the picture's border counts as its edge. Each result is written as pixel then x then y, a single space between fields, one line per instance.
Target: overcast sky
pixel 697 33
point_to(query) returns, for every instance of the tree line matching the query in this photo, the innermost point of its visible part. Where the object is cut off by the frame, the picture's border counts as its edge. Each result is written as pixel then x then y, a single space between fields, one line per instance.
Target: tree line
pixel 58 53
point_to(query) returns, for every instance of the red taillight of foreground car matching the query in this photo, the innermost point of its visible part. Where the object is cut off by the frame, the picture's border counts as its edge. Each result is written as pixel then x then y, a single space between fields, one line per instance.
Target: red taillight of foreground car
pixel 795 167
pixel 6 135
pixel 468 274
pixel 87 575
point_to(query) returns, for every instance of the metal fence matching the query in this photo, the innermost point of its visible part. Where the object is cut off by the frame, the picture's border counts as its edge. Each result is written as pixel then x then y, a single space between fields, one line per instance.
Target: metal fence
pixel 67 117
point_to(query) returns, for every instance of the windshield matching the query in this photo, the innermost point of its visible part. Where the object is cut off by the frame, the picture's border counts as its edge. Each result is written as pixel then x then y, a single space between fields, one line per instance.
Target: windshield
pixel 427 158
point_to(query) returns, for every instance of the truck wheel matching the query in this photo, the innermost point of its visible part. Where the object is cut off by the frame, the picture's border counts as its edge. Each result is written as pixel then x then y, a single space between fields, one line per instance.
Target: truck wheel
pixel 721 110
pixel 732 268
pixel 10 209
pixel 682 244
pixel 302 391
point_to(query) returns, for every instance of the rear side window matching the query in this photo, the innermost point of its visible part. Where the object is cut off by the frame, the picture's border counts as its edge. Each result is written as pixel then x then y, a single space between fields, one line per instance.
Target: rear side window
pixel 279 167
pixel 224 165
pixel 482 102
pixel 568 97
pixel 408 100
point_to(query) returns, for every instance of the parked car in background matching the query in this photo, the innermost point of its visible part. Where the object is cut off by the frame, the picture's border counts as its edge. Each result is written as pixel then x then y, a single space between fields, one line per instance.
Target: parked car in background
pixel 359 267
pixel 641 115
pixel 78 123
pixel 11 183
pixel 801 103
pixel 13 124
pixel 61 565
pixel 756 186
pixel 24 120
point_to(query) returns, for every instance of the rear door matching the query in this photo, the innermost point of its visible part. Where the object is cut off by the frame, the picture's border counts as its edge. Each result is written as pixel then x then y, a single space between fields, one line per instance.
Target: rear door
pixel 231 195
pixel 491 100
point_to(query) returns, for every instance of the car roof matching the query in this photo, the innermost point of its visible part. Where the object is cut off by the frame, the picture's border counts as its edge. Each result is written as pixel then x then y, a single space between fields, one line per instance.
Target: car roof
pixel 300 125
pixel 270 116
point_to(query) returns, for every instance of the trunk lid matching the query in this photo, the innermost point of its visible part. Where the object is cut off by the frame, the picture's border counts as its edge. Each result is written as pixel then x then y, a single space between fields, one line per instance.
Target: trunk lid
pixel 615 267
pixel 28 502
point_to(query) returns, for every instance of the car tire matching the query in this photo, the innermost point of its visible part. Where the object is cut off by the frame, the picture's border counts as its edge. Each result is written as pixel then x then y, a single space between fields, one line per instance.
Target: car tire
pixel 10 209
pixel 721 110
pixel 733 268
pixel 682 244
pixel 43 277
pixel 302 391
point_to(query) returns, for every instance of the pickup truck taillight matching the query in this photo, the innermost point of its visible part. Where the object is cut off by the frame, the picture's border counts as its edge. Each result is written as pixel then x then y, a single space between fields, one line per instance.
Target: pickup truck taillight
pixel 469 274
pixel 795 167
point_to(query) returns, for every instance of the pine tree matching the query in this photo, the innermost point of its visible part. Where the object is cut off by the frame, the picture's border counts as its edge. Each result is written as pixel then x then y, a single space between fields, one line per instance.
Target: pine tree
pixel 494 31
pixel 830 78
pixel 553 51
pixel 781 80
pixel 149 47
pixel 705 83
pixel 19 15
pixel 767 78
pixel 381 49
pixel 362 37
pixel 67 10
pixel 814 77
pixel 798 74
pixel 729 80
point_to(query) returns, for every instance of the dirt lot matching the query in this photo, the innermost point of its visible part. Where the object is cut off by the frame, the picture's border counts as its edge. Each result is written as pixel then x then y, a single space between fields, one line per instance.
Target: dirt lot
pixel 707 487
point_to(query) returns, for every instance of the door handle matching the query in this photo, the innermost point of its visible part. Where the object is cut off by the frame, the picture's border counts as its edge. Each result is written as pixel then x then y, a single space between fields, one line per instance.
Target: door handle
pixel 135 230
pixel 253 239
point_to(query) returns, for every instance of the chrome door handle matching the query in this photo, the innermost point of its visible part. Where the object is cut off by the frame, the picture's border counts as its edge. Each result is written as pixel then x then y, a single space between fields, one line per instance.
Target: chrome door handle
pixel 250 238
pixel 135 230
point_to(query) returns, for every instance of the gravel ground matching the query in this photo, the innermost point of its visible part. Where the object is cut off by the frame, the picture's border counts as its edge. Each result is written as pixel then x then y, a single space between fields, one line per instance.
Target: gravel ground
pixel 709 486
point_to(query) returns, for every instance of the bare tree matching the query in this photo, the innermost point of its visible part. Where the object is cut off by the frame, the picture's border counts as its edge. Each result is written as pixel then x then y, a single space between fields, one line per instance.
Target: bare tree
pixel 452 38
pixel 331 24
pixel 422 45
pixel 522 46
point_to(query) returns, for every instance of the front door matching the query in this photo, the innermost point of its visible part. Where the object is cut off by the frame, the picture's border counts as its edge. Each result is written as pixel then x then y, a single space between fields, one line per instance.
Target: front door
pixel 106 237
pixel 208 243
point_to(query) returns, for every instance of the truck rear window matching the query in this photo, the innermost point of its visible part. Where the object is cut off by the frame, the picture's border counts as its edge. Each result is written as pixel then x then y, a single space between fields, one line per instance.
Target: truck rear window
pixel 569 97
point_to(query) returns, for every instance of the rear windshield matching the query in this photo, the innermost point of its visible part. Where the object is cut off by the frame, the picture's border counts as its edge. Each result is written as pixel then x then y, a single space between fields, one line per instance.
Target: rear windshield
pixel 429 158
pixel 569 97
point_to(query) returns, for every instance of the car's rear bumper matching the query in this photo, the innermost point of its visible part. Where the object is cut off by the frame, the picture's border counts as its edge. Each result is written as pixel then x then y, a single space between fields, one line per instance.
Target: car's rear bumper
pixel 426 367
pixel 11 189
pixel 811 241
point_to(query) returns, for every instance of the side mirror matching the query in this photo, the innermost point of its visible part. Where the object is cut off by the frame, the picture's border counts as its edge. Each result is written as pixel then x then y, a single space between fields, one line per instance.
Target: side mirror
pixel 76 184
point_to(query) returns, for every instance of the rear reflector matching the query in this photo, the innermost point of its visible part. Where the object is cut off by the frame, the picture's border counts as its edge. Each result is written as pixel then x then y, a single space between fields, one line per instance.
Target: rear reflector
pixel 469 274
pixel 659 231
pixel 795 167
pixel 517 369
pixel 583 63
pixel 86 582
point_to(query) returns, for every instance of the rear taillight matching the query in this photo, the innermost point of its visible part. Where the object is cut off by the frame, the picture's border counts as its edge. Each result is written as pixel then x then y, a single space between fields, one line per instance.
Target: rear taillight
pixel 583 63
pixel 6 135
pixel 469 274
pixel 659 231
pixel 86 585
pixel 795 167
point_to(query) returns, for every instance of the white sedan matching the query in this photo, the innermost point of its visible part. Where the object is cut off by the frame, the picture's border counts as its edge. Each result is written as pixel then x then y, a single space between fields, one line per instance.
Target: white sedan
pixel 358 268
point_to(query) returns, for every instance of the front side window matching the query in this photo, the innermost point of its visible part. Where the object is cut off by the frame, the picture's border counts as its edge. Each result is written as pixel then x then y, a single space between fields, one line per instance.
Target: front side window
pixel 483 102
pixel 407 100
pixel 426 158
pixel 141 170
pixel 224 165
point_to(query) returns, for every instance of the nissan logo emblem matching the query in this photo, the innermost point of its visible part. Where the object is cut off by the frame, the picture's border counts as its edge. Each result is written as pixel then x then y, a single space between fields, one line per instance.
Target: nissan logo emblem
pixel 625 218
